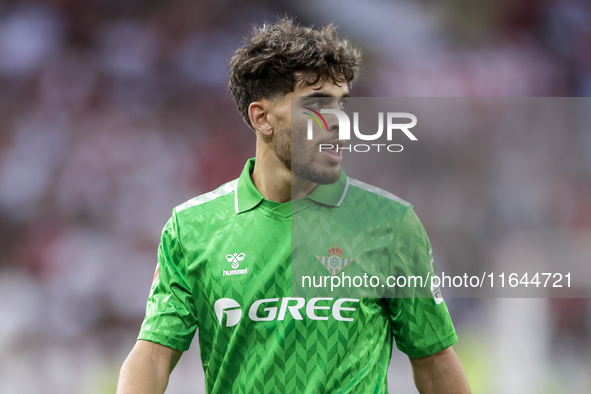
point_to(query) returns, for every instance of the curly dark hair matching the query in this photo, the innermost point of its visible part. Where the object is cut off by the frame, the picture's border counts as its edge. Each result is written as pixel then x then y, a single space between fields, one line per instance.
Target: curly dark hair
pixel 277 56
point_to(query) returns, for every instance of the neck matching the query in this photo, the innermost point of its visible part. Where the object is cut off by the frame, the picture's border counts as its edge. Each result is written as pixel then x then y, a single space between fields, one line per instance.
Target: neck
pixel 275 181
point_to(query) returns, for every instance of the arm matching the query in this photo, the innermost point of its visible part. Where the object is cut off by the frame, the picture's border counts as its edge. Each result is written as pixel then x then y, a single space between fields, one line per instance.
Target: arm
pixel 170 321
pixel 440 373
pixel 147 368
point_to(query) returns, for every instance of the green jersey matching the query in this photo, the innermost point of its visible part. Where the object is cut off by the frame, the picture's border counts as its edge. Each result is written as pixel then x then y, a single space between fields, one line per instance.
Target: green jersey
pixel 225 266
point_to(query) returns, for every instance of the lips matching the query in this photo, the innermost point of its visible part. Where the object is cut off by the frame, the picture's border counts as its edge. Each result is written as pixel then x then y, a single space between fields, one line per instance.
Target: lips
pixel 339 143
pixel 334 154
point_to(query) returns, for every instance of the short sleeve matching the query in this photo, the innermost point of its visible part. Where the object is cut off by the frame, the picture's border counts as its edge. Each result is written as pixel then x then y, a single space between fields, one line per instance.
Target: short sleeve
pixel 170 313
pixel 420 320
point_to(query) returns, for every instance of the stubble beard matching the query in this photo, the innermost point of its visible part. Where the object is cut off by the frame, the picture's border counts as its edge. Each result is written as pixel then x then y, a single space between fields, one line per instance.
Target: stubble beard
pixel 291 152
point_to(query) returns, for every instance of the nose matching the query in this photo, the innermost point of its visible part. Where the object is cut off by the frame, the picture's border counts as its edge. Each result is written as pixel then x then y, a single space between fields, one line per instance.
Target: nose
pixel 333 123
pixel 335 118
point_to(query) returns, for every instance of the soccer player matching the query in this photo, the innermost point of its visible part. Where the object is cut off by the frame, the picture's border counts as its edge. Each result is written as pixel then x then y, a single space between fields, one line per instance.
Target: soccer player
pixel 224 262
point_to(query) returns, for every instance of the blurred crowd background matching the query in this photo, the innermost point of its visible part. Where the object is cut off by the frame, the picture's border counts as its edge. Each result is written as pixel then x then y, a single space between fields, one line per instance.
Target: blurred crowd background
pixel 113 112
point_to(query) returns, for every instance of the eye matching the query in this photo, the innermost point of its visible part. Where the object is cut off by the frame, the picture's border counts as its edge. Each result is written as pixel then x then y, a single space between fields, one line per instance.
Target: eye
pixel 343 103
pixel 315 104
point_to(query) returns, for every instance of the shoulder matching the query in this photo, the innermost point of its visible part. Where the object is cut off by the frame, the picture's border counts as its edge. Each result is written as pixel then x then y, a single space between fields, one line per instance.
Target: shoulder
pixel 358 189
pixel 221 198
pixel 379 209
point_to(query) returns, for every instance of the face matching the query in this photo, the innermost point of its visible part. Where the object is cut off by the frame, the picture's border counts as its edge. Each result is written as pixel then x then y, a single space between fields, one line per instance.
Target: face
pixel 292 147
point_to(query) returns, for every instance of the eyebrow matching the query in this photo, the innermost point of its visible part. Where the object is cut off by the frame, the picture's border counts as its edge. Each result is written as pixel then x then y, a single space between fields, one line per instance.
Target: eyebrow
pixel 319 94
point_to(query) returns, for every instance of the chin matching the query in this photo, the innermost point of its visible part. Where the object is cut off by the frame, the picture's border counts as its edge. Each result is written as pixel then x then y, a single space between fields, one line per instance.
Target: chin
pixel 324 175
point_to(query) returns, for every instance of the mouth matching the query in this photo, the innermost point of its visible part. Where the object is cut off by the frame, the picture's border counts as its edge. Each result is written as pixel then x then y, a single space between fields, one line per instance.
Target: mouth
pixel 333 150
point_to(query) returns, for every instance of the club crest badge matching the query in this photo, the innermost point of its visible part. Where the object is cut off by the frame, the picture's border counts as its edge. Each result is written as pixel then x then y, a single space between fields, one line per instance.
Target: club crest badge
pixel 335 261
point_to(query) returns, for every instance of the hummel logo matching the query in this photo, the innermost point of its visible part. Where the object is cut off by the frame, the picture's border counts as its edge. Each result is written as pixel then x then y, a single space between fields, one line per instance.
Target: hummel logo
pixel 235 259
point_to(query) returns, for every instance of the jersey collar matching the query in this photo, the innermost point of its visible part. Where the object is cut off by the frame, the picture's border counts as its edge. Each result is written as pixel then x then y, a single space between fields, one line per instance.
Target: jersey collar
pixel 247 196
pixel 332 194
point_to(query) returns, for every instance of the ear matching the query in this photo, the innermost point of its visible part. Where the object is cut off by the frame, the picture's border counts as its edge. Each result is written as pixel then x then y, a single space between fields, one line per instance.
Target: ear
pixel 260 118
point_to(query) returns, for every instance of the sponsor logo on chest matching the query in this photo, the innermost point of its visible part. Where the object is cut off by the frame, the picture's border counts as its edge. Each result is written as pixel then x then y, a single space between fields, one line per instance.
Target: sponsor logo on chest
pixel 270 309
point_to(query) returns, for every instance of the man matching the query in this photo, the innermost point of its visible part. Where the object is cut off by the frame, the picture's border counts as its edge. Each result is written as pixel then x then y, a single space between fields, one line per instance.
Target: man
pixel 224 263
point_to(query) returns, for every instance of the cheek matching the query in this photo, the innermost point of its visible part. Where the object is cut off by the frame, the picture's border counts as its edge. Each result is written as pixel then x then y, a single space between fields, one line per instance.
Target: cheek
pixel 306 147
pixel 299 122
pixel 299 126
